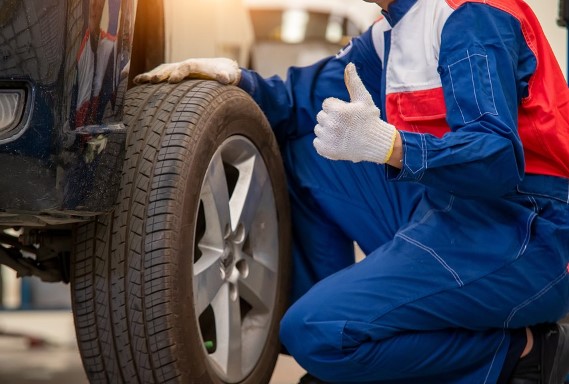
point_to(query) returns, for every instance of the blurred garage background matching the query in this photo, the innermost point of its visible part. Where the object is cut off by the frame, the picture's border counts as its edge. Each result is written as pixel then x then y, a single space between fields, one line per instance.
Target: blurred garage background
pixel 267 35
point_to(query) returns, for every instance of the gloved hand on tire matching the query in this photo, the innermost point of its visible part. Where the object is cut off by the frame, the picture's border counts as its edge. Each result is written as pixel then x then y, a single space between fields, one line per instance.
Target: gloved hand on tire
pixel 223 70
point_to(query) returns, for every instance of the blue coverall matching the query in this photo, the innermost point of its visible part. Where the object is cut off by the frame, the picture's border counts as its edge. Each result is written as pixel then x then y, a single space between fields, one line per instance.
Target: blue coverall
pixel 463 244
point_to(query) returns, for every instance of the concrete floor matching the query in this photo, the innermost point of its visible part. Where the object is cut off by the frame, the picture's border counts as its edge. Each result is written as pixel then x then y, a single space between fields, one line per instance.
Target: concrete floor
pixel 59 362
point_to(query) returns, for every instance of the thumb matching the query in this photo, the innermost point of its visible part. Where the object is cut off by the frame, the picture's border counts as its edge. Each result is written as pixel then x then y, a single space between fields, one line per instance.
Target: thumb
pixel 356 88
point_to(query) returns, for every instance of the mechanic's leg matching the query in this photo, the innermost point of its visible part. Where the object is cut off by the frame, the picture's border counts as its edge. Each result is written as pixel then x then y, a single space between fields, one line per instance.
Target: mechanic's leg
pixel 334 203
pixel 436 303
pixel 319 247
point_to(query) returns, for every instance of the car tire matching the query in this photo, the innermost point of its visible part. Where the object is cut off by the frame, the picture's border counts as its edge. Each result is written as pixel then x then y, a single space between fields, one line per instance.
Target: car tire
pixel 187 280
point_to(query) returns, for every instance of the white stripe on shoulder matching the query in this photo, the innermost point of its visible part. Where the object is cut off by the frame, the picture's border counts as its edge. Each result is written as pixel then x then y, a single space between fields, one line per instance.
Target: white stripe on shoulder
pixel 415 45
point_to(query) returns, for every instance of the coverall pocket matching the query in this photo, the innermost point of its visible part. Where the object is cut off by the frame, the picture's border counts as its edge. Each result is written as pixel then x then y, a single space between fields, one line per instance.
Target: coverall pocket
pixel 472 85
pixel 423 111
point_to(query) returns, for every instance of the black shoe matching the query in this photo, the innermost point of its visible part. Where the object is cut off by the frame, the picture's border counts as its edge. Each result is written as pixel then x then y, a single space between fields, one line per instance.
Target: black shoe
pixel 309 379
pixel 548 361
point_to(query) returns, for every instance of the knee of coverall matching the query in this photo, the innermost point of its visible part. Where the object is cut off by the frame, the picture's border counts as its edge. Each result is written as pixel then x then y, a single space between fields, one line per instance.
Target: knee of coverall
pixel 317 345
pixel 294 333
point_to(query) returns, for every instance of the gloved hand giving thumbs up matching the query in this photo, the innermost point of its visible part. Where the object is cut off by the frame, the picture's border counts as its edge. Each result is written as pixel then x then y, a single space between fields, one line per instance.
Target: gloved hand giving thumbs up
pixel 353 130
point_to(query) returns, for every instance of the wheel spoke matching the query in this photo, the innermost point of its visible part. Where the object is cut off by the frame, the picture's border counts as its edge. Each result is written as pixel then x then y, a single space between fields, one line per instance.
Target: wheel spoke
pixel 215 197
pixel 207 281
pixel 258 286
pixel 228 354
pixel 245 199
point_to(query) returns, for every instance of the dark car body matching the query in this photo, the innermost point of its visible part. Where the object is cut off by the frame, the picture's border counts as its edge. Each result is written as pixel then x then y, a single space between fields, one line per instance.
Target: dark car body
pixel 63 75
pixel 65 66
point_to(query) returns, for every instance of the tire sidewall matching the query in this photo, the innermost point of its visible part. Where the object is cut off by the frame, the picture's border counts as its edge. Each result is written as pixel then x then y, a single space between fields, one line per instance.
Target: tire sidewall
pixel 231 113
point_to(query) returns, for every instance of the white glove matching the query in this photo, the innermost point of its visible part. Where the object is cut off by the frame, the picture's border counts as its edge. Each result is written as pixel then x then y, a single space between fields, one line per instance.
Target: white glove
pixel 226 71
pixel 353 130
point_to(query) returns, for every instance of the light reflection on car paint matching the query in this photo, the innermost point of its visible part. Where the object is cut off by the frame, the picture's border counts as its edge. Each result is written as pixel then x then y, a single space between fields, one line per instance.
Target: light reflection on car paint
pixel 100 69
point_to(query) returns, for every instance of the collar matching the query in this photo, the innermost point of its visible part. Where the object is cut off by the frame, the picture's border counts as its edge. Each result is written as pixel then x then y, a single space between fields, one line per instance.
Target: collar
pixel 397 10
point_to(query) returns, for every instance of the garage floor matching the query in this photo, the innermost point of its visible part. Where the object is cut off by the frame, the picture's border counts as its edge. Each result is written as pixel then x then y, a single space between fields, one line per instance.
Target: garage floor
pixel 59 362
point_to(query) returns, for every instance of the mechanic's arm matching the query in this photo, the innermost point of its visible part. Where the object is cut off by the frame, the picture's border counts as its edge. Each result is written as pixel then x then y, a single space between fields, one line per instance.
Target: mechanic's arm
pixel 482 83
pixel 283 102
pixel 482 155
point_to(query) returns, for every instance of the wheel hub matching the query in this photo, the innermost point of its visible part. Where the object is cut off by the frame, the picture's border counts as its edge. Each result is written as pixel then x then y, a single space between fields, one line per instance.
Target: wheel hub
pixel 227 259
pixel 232 267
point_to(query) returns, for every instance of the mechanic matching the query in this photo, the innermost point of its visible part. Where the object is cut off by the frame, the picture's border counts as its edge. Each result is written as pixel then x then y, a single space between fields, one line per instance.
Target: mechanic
pixel 448 163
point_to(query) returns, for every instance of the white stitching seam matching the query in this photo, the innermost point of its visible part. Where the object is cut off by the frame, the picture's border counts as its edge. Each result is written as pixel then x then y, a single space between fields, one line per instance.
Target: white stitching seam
pixel 528 225
pixel 494 357
pixel 534 298
pixel 424 155
pixel 472 79
pixel 428 249
pixel 542 292
pixel 430 213
pixel 495 113
pixel 491 86
pixel 435 255
pixel 454 92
